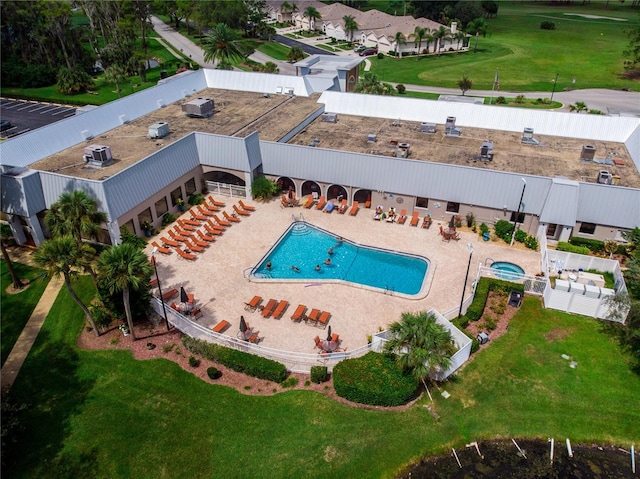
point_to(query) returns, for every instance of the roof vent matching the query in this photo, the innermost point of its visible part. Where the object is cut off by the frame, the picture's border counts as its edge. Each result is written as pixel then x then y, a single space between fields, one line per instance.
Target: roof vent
pixel 486 151
pixel 527 137
pixel 158 130
pixel 198 108
pixel 123 119
pixel 330 117
pixel 161 103
pixel 97 155
pixel 428 127
pixel 588 152
pixel 371 138
pixel 604 177
pixel 403 150
pixel 86 135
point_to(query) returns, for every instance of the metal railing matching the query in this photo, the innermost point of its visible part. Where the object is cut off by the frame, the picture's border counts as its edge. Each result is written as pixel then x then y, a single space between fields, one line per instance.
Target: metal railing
pixel 225 189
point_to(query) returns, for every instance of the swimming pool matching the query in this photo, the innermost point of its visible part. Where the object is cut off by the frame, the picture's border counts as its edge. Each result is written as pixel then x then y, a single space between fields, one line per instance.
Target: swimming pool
pixel 507 271
pixel 307 247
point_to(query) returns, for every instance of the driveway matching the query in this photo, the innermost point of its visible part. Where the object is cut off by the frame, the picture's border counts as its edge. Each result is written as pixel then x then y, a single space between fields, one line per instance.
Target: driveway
pixel 310 49
pixel 30 115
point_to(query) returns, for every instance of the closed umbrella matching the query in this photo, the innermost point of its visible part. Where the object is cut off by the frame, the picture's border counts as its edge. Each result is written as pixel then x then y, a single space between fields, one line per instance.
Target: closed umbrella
pixel 452 222
pixel 243 324
pixel 329 334
pixel 183 295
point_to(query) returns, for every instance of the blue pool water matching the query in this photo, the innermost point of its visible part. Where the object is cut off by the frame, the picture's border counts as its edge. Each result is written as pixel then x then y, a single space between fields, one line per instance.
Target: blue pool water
pixel 306 246
pixel 507 271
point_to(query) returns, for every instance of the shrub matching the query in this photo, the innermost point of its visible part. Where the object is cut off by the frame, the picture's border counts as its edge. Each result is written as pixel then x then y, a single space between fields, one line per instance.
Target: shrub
pixel 168 218
pixel 531 242
pixel 548 26
pixel 381 55
pixel 290 382
pixel 318 374
pixel 264 188
pixel 214 373
pixel 373 379
pixel 194 362
pixel 401 88
pixel 239 361
pixel 484 228
pixel 196 199
pixel 564 246
pixel 476 308
pixel 596 246
pixel 520 99
pixel 490 322
pixel 475 345
pixel 470 219
pixel 520 236
pixel 503 229
pixel 501 100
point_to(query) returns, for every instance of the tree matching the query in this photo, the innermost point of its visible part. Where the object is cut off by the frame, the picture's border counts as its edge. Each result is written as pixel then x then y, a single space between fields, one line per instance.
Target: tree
pixel 73 81
pixel 477 26
pixel 58 257
pixel 579 106
pixel 117 74
pixel 465 84
pixel 350 25
pixel 75 214
pixel 123 268
pixel 285 7
pixel 632 53
pixel 270 67
pixel 441 35
pixel 418 34
pixel 428 39
pixel 420 345
pixel 5 231
pixel 611 246
pixel 223 45
pixel 399 40
pixel 369 83
pixel 490 8
pixel 311 14
pixel 295 54
pixel 459 37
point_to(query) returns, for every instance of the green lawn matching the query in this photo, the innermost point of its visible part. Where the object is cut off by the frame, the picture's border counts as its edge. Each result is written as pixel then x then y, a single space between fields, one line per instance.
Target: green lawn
pixel 17 308
pixel 528 58
pixel 102 414
pixel 274 50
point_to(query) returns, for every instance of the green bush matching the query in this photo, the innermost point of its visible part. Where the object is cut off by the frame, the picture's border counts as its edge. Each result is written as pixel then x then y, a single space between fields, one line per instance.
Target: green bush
pixel 474 312
pixel 214 373
pixel 501 100
pixel 520 99
pixel 548 26
pixel 531 242
pixel 196 199
pixel 264 188
pixel 520 236
pixel 401 88
pixel 381 55
pixel 475 345
pixel 239 361
pixel 373 379
pixel 503 229
pixel 194 362
pixel 318 374
pixel 564 246
pixel 596 246
pixel 484 228
pixel 167 218
pixel 290 382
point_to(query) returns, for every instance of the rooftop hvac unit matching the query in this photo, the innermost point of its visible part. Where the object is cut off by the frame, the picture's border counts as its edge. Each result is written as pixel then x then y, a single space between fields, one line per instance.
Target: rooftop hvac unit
pixel 486 150
pixel 588 152
pixel 450 127
pixel 527 137
pixel 159 130
pixel 604 177
pixel 428 127
pixel 198 108
pixel 403 150
pixel 330 117
pixel 97 155
pixel 371 138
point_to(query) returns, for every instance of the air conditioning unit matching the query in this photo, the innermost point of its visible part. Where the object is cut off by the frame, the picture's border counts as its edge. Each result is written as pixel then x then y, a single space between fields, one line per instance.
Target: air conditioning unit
pixel 159 130
pixel 97 155
pixel 198 108
pixel 428 127
pixel 604 177
pixel 403 150
pixel 330 117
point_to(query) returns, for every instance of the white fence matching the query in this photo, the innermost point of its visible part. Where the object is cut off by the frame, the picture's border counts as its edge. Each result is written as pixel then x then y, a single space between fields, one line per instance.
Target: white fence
pixel 532 284
pixel 226 189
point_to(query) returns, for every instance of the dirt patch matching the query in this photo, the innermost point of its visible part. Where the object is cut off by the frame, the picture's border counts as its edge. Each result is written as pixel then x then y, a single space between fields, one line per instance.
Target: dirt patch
pixel 11 290
pixel 497 314
pixel 558 334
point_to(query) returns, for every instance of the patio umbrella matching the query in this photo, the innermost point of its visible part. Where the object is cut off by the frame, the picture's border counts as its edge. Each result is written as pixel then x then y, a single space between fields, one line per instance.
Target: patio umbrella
pixel 452 222
pixel 329 334
pixel 243 324
pixel 183 295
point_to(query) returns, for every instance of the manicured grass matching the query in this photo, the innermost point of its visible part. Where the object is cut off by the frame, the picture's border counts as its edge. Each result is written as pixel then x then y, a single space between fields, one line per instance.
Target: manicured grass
pixel 528 58
pixel 102 414
pixel 17 308
pixel 274 50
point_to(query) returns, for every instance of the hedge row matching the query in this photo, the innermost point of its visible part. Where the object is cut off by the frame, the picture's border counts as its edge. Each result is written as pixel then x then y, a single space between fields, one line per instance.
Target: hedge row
pixel 564 246
pixel 239 361
pixel 596 246
pixel 474 312
pixel 373 379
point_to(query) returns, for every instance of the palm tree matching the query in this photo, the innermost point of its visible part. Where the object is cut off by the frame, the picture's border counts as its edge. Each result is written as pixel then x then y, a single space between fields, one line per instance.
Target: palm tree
pixel 459 36
pixel 477 26
pixel 399 39
pixel 369 83
pixel 116 74
pixel 441 34
pixel 418 34
pixel 350 25
pixel 122 268
pixel 5 232
pixel 57 257
pixel 223 45
pixel 312 14
pixel 75 214
pixel 428 39
pixel 285 8
pixel 420 345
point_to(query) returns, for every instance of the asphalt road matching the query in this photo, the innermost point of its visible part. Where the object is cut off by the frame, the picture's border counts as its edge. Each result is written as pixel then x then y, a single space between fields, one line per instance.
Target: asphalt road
pixel 30 115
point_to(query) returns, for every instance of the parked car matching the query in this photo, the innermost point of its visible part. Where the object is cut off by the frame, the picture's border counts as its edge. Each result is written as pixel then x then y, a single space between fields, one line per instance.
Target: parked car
pixel 360 48
pixel 368 52
pixel 5 125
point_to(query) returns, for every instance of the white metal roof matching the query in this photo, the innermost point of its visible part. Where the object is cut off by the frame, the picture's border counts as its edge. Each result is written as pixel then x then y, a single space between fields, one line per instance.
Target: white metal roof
pixel 561 205
pixel 609 205
pixel 256 82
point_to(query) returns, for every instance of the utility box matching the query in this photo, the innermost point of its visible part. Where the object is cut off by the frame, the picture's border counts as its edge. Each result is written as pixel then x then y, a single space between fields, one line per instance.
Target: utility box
pixel 403 150
pixel 591 291
pixel 604 177
pixel 562 285
pixel 450 127
pixel 577 288
pixel 527 137
pixel 97 155
pixel 330 117
pixel 159 130
pixel 198 108
pixel 428 127
pixel 486 150
pixel 371 138
pixel 588 152
pixel 483 338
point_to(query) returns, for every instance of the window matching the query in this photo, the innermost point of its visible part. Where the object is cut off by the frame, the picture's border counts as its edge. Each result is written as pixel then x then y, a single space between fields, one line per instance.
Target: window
pixel 175 194
pixel 422 202
pixel 129 227
pixel 551 230
pixel 145 217
pixel 520 217
pixel 453 207
pixel 190 186
pixel 161 207
pixel 587 228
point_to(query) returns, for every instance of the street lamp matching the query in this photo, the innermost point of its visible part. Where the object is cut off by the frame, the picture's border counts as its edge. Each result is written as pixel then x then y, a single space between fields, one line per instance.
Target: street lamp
pixel 515 223
pixel 470 248
pixel 554 86
pixel 153 260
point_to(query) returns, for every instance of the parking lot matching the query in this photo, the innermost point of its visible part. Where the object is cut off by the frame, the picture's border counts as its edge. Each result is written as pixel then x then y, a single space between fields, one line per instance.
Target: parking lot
pixel 26 115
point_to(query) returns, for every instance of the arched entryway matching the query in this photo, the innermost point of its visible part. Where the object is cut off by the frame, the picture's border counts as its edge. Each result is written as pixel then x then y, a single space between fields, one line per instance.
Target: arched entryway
pixel 311 188
pixel 336 190
pixel 363 197
pixel 286 184
pixel 224 177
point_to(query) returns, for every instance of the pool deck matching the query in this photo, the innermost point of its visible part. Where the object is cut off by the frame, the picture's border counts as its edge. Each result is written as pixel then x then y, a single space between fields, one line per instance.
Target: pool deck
pixel 218 280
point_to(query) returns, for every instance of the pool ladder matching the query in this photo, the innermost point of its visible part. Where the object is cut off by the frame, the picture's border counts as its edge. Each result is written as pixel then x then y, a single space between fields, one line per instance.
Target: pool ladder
pixel 489 259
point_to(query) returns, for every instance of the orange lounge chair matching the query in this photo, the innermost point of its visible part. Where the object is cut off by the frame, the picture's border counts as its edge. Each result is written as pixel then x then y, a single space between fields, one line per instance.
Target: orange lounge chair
pixel 354 208
pixel 197 216
pixel 253 304
pixel 169 294
pixel 191 298
pixel 246 207
pixel 189 221
pixel 221 326
pixel 185 255
pixel 204 211
pixel 343 207
pixel 426 222
pixel 268 309
pixel 414 219
pixel 199 242
pixel 285 201
pixel 309 202
pixel 298 315
pixel 168 241
pixel 215 203
pixel 313 315
pixel 176 236
pixel 321 203
pixel 277 313
pixel 162 249
pixel 205 237
pixel 193 247
pixel 324 319
pixel 154 283
pixel 215 226
pixel 318 342
pixel 220 221
pixel 187 227
pixel 211 230
pixel 233 219
pixel 367 204
pixel 335 338
pixel 403 217
pixel 240 211
pixel 182 232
